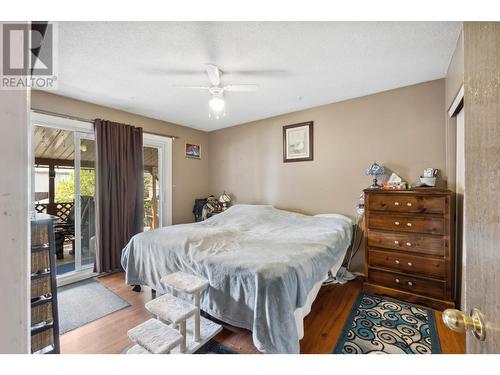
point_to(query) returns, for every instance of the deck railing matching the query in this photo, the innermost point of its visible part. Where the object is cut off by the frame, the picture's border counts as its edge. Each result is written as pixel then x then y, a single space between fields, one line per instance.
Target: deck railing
pixel 60 209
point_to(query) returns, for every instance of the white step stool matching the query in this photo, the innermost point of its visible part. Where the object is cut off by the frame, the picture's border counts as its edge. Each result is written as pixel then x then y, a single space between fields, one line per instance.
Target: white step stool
pixel 186 283
pixel 209 330
pixel 170 309
pixel 137 349
pixel 155 336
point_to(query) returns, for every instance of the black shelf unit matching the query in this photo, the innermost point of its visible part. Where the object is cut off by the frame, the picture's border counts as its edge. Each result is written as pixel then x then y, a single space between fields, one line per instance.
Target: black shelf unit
pixel 44 312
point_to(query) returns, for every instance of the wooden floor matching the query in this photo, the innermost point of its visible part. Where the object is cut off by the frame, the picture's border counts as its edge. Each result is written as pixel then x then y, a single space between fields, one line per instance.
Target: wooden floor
pixel 322 326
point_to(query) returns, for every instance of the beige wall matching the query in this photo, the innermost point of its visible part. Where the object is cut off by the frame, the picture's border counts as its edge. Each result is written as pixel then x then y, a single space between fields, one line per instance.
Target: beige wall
pixel 402 129
pixel 190 177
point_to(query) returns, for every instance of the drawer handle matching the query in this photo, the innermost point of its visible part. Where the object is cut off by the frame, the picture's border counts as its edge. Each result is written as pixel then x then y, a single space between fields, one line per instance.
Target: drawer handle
pixel 410 264
pixel 396 242
pixel 396 222
pixel 397 261
pixel 410 283
pixel 408 204
pixel 397 281
pixel 408 244
pixel 396 203
pixel 408 224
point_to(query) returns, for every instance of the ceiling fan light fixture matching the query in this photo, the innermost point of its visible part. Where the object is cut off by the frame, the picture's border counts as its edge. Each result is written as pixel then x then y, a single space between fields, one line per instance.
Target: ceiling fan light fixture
pixel 217 103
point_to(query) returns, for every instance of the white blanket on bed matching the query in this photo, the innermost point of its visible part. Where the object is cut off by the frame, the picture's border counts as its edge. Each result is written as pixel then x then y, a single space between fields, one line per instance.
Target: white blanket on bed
pixel 261 263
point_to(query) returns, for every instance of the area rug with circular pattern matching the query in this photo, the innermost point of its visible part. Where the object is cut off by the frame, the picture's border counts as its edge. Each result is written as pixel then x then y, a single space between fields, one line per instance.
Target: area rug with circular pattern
pixel 384 325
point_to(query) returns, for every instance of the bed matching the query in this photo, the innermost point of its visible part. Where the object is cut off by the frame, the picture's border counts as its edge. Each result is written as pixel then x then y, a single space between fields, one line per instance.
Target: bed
pixel 264 265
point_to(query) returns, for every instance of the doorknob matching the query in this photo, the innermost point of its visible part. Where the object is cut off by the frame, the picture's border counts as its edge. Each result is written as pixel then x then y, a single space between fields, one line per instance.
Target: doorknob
pixel 459 322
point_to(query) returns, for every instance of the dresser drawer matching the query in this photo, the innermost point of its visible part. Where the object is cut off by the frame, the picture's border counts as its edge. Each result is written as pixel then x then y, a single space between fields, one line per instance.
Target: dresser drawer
pixel 430 225
pixel 407 203
pixel 432 267
pixel 407 283
pixel 415 243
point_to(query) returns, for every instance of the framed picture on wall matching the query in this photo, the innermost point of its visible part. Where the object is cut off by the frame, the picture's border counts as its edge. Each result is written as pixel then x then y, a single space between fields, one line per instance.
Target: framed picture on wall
pixel 192 151
pixel 298 142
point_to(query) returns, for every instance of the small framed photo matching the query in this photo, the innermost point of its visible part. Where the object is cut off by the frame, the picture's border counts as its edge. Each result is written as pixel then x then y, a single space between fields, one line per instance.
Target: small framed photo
pixel 298 142
pixel 192 151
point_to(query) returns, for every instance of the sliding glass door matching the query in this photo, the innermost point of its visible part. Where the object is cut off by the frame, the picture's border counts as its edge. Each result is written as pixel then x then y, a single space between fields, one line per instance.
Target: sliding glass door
pixel 157 181
pixel 63 184
pixel 152 188
pixel 85 201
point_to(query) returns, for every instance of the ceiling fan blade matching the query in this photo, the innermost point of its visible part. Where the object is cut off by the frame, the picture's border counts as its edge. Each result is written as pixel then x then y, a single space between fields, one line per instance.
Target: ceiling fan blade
pixel 257 73
pixel 241 88
pixel 170 72
pixel 213 74
pixel 193 87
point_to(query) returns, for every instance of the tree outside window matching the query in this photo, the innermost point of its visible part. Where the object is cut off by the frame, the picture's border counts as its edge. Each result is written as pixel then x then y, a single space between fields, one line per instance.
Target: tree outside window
pixel 65 189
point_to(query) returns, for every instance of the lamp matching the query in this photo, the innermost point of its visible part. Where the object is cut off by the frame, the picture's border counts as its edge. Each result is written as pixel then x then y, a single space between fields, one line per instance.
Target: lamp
pixel 224 199
pixel 217 103
pixel 216 106
pixel 374 170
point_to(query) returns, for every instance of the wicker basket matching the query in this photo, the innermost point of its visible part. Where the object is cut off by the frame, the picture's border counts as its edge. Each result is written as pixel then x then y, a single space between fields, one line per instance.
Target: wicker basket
pixel 40 287
pixel 39 235
pixel 41 340
pixel 41 313
pixel 40 261
pixel 44 318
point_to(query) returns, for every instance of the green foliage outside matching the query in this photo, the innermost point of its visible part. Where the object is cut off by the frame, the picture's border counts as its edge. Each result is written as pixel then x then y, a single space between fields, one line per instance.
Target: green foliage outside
pixel 148 185
pixel 65 189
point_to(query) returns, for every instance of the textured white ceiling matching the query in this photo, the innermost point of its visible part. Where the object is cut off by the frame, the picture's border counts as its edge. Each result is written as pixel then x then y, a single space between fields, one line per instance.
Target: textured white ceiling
pixel 133 66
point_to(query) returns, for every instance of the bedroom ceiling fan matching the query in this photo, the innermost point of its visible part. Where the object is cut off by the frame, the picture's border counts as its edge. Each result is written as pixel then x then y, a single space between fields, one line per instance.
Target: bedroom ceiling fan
pixel 217 103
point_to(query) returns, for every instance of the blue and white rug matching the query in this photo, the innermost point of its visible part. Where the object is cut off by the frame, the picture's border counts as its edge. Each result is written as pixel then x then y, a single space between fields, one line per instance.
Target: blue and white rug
pixel 213 347
pixel 382 325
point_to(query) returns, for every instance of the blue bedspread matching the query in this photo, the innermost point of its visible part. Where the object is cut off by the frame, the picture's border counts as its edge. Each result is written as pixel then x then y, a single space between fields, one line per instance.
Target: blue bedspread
pixel 261 264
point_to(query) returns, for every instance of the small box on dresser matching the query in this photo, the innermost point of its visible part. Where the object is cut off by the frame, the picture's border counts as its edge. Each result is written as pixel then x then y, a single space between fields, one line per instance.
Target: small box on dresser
pixel 409 248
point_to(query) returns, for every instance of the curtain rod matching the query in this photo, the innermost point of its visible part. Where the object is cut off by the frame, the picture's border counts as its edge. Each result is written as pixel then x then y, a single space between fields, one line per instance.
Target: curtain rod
pixel 41 111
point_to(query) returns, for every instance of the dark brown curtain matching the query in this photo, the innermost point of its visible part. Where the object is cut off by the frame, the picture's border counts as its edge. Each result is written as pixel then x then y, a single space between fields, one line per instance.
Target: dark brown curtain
pixel 120 190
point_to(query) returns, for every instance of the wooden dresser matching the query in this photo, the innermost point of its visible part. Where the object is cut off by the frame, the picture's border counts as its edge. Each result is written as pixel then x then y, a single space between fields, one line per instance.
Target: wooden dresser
pixel 409 248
